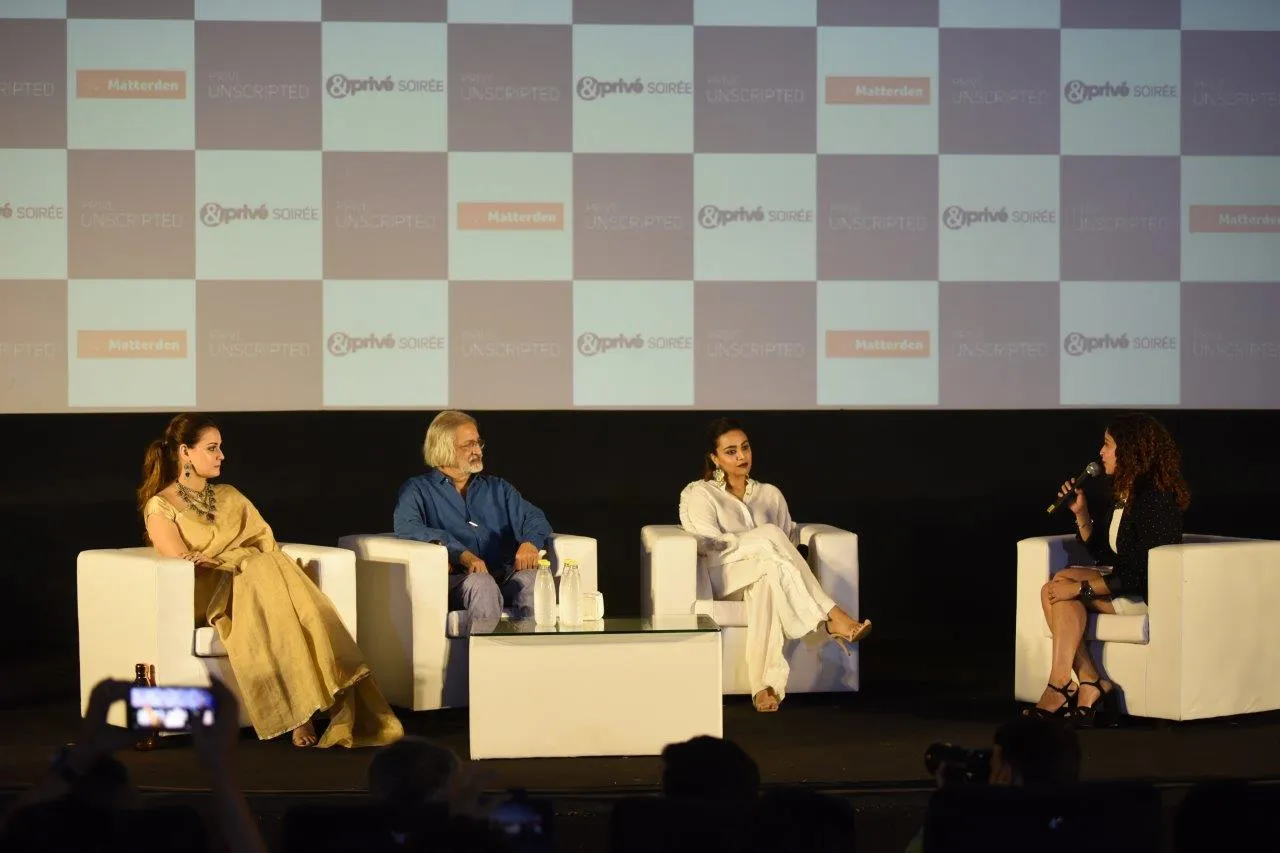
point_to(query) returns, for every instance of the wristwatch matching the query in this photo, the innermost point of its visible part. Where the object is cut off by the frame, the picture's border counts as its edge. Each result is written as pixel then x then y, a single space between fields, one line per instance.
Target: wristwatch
pixel 1086 591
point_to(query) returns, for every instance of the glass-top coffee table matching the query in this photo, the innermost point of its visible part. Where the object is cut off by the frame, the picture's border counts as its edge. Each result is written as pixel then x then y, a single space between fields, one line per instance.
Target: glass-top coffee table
pixel 617 686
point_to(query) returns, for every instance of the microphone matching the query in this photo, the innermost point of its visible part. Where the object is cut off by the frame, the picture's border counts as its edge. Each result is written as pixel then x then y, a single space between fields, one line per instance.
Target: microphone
pixel 1093 469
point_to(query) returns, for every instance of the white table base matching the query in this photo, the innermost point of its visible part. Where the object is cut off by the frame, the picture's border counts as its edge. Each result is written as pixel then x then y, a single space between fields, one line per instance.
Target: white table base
pixel 570 695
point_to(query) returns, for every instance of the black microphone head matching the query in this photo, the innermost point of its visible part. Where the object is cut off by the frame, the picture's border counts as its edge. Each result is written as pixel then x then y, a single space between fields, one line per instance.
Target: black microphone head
pixel 1093 469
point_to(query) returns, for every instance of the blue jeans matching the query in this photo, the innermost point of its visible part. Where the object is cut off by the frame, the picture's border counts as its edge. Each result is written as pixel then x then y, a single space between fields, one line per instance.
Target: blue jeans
pixel 483 596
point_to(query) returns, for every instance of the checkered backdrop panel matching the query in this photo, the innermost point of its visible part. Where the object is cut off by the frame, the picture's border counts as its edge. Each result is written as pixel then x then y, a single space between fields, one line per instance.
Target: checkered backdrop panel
pixel 305 204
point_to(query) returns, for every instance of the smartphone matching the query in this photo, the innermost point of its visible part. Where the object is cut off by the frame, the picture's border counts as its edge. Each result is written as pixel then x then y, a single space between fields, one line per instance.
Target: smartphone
pixel 170 709
pixel 524 822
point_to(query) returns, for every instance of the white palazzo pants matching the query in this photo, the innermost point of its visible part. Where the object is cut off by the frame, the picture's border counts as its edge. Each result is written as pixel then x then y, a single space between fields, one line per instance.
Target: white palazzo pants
pixel 784 600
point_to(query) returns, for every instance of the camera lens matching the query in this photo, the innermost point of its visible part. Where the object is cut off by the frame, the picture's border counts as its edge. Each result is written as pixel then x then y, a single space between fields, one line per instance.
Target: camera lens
pixel 935 755
pixel 963 766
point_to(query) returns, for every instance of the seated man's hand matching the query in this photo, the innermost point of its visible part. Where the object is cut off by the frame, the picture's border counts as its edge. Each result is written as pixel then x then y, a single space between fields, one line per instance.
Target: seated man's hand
pixel 526 557
pixel 473 564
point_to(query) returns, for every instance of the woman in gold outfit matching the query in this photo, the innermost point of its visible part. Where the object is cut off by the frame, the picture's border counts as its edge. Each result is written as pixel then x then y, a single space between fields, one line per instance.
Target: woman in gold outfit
pixel 290 652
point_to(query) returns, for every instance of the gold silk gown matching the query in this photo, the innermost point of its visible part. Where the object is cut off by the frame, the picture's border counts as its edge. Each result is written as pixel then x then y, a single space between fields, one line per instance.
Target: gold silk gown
pixel 290 652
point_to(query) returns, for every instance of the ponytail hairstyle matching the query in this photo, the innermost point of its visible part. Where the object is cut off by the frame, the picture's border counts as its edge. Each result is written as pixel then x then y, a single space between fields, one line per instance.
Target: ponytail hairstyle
pixel 715 429
pixel 160 464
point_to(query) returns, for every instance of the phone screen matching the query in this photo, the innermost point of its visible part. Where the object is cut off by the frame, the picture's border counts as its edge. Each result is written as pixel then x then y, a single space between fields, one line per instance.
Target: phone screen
pixel 524 822
pixel 170 709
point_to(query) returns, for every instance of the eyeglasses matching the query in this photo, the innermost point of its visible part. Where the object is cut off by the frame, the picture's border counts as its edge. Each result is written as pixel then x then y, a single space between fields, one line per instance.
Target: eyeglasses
pixel 472 445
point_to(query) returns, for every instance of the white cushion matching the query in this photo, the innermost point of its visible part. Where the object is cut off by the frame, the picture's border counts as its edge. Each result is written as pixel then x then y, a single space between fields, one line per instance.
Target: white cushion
pixel 1113 628
pixel 458 625
pixel 727 614
pixel 209 644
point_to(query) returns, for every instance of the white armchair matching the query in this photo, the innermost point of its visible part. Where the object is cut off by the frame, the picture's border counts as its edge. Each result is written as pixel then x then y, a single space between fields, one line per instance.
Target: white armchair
pixel 136 606
pixel 673 582
pixel 415 646
pixel 1208 647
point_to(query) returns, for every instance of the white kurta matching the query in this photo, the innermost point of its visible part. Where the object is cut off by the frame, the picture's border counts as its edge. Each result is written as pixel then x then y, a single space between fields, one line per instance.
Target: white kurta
pixel 748 548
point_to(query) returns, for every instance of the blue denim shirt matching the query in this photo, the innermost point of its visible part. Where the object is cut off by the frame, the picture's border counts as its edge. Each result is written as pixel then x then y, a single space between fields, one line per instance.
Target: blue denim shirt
pixel 490 522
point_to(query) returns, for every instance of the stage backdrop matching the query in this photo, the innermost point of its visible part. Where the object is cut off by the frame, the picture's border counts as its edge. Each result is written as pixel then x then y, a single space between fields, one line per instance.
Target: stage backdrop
pixel 539 204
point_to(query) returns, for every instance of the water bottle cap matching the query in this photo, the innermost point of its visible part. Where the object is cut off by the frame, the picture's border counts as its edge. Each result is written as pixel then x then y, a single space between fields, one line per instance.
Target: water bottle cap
pixel 568 563
pixel 544 564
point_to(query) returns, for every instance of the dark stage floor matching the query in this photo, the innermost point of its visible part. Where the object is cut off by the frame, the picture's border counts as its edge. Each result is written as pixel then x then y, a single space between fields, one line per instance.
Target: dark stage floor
pixel 866 747
pixel 861 742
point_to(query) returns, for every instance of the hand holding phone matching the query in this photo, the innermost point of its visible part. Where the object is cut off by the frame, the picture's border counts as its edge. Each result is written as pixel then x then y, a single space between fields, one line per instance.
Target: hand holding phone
pixel 97 737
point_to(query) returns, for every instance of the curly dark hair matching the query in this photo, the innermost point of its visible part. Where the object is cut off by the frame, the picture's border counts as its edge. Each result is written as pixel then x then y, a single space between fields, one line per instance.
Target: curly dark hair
pixel 1147 457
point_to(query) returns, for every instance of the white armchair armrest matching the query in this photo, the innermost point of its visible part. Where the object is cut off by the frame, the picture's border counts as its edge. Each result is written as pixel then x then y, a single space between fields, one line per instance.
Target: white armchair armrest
pixel 1040 558
pixel 668 570
pixel 334 571
pixel 833 554
pixel 403 602
pixel 567 546
pixel 1211 610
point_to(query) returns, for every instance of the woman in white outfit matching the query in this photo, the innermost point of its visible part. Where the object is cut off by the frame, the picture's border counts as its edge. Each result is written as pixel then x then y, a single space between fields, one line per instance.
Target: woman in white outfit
pixel 747 542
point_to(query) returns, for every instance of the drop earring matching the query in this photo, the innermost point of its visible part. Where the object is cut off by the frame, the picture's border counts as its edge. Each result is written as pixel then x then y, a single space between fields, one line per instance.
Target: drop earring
pixel 719 474
pixel 186 470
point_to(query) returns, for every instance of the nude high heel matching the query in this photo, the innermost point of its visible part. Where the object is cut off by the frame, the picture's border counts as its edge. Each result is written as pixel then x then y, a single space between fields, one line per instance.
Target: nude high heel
pixel 843 640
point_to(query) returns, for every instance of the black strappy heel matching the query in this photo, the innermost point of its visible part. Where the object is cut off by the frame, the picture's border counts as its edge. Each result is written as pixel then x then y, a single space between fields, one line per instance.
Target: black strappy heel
pixel 1061 712
pixel 1103 713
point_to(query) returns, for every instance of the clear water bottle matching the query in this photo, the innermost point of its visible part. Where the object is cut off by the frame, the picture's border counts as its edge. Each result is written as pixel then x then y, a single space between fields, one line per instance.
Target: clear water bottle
pixel 571 594
pixel 544 595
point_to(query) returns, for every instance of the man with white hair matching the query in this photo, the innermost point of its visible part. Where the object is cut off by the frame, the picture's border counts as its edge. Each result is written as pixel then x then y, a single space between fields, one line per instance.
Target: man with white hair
pixel 493 535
